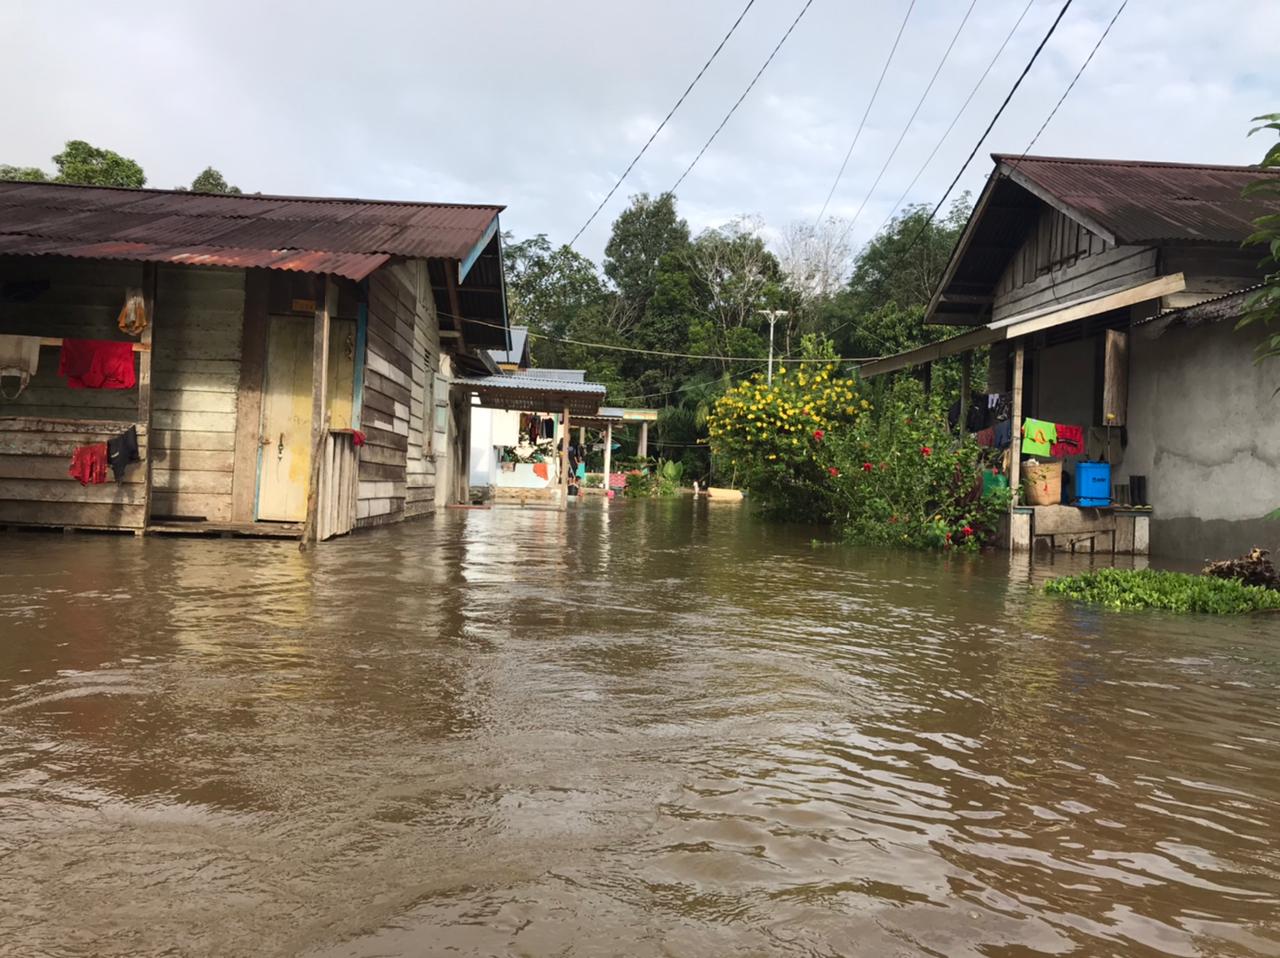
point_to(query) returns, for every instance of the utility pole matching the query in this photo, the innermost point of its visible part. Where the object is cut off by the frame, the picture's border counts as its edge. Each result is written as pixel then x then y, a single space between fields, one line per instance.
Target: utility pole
pixel 773 315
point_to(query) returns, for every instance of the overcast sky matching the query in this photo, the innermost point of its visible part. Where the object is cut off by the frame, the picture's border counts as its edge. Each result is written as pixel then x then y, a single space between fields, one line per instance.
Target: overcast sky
pixel 539 105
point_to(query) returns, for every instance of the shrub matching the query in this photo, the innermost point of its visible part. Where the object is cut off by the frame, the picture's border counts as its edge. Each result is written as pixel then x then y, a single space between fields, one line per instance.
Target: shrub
pixel 661 480
pixel 900 476
pixel 1137 590
pixel 770 437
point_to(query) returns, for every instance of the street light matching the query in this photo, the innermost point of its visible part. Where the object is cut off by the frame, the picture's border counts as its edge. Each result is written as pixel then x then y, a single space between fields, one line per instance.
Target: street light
pixel 773 315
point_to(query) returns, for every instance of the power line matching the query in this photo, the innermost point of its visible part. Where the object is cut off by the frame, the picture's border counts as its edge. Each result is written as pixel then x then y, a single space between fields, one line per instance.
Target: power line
pixel 1012 90
pixel 985 133
pixel 738 102
pixel 955 119
pixel 636 159
pixel 911 119
pixel 866 113
pixel 1072 84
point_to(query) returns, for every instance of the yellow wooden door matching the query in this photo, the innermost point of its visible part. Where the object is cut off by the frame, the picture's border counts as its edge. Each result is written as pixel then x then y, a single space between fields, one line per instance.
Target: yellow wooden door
pixel 284 469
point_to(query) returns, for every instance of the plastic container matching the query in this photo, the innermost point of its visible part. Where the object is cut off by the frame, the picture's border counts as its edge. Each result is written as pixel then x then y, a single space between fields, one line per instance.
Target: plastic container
pixel 1042 482
pixel 992 480
pixel 1093 484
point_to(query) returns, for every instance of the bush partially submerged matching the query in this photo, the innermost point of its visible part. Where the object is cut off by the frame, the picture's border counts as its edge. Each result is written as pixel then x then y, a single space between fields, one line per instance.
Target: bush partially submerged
pixel 1136 590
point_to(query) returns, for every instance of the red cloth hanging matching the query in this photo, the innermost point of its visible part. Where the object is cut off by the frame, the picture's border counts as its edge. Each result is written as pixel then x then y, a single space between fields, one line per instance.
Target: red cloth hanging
pixel 89 464
pixel 357 437
pixel 1070 442
pixel 97 364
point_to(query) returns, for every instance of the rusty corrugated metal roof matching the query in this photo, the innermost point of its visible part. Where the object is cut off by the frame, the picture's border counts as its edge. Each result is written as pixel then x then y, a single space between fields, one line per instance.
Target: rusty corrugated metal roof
pixel 1145 202
pixel 345 237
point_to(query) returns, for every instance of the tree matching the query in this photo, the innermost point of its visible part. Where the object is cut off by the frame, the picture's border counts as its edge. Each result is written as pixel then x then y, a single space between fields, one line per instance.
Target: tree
pixel 1264 305
pixel 25 174
pixel 642 234
pixel 79 162
pixel 211 181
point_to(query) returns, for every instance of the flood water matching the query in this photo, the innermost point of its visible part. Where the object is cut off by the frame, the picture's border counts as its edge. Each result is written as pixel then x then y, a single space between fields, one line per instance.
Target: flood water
pixel 653 729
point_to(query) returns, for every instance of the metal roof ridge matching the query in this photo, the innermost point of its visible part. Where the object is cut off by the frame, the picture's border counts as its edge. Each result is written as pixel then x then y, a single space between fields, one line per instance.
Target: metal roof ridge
pixel 152 191
pixel 1013 159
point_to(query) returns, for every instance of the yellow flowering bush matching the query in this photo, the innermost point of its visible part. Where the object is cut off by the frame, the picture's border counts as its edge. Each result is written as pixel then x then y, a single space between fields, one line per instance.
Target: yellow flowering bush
pixel 771 437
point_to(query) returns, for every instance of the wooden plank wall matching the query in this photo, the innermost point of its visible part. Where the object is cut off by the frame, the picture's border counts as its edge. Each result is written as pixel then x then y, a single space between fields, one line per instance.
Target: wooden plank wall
pixel 196 373
pixel 396 476
pixel 1061 261
pixel 1210 272
pixel 40 429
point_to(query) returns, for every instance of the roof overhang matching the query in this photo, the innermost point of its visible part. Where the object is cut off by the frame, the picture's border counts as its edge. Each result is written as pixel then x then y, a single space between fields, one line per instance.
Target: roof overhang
pixel 1023 324
pixel 525 393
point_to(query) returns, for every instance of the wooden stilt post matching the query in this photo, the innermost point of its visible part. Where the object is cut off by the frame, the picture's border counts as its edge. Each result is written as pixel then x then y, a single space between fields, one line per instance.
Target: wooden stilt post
pixel 319 403
pixel 966 369
pixel 1015 423
pixel 144 387
pixel 642 449
pixel 608 456
pixel 564 462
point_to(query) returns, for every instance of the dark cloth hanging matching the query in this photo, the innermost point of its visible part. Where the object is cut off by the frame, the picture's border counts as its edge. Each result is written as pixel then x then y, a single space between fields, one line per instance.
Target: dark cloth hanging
pixel 1004 434
pixel 123 451
pixel 89 464
pixel 97 364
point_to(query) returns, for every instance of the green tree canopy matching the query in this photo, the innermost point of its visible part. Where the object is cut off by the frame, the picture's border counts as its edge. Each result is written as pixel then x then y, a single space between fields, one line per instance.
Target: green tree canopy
pixel 211 181
pixel 80 162
pixel 642 234
pixel 26 174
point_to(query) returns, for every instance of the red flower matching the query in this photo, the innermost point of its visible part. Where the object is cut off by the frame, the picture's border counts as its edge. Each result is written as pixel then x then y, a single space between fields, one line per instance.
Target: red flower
pixel 893 519
pixel 818 434
pixel 926 451
pixel 867 467
pixel 833 470
pixel 948 536
pixel 967 530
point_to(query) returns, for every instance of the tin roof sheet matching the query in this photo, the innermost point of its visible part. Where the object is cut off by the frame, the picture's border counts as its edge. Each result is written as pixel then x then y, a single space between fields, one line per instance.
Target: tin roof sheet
pixel 1141 201
pixel 345 237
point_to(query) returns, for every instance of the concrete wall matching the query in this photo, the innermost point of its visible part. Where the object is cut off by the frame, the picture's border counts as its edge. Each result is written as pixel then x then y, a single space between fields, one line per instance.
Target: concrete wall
pixel 1204 427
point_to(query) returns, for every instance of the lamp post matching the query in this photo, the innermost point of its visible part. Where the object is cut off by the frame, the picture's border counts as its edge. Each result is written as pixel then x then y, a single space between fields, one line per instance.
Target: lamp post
pixel 773 315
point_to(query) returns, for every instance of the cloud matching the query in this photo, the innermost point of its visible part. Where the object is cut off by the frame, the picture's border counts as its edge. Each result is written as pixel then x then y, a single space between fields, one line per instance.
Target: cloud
pixel 541 106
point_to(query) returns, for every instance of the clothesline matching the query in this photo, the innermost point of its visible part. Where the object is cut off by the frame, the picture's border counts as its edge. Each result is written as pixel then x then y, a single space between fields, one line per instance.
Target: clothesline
pixel 57 341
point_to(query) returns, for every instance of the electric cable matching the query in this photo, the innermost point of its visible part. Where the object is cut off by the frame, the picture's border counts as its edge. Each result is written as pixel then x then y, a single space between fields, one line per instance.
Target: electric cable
pixel 670 113
pixel 738 102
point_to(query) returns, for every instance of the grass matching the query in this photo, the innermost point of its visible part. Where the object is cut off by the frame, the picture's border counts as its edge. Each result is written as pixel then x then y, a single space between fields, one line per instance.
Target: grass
pixel 1130 590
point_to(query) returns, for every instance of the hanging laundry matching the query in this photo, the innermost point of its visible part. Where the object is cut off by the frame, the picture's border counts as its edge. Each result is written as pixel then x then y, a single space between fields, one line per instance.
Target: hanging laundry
pixel 540 470
pixel 133 316
pixel 97 364
pixel 358 438
pixel 1004 434
pixel 89 464
pixel 1070 442
pixel 986 437
pixel 19 356
pixel 1038 437
pixel 122 451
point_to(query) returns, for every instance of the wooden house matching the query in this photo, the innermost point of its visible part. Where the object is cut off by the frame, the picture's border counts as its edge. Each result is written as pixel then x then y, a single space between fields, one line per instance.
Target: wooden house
pixel 294 374
pixel 1107 294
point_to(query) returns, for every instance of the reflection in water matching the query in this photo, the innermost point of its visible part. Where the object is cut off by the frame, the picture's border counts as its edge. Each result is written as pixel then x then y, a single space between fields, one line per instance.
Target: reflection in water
pixel 660 729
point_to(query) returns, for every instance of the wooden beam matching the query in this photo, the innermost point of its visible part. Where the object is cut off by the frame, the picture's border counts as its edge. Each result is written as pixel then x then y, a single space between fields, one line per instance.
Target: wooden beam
pixel 451 285
pixel 967 298
pixel 966 371
pixel 253 358
pixel 608 456
pixel 144 381
pixel 1013 327
pixel 319 401
pixel 1010 169
pixel 1015 424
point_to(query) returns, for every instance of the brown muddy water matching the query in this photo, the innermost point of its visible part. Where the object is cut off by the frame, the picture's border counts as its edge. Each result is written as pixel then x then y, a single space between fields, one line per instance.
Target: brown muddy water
pixel 660 729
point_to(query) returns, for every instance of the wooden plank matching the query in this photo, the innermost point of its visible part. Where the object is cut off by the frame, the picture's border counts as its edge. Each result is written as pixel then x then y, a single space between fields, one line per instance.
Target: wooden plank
pixel 1070 520
pixel 190 400
pixel 1094 307
pixel 191 504
pixel 190 480
pixel 564 458
pixel 248 426
pixel 80 514
pixel 68 490
pixel 166 419
pixel 50 467
pixel 185 379
pixel 1117 268
pixel 194 439
pixel 199 460
pixel 1115 378
pixel 319 397
pixel 1015 451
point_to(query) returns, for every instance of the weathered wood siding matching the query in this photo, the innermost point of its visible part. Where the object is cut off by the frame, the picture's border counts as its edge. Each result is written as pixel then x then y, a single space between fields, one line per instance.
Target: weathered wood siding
pixel 1210 272
pixel 1061 262
pixel 195 377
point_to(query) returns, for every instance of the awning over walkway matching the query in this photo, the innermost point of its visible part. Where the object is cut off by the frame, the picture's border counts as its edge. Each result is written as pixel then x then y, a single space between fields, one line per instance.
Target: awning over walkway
pixel 528 393
pixel 1032 321
pixel 616 416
